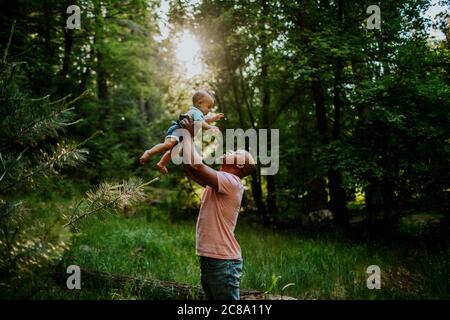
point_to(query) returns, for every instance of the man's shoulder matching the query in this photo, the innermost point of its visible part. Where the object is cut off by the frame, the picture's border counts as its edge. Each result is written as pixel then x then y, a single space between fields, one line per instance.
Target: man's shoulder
pixel 229 176
pixel 228 182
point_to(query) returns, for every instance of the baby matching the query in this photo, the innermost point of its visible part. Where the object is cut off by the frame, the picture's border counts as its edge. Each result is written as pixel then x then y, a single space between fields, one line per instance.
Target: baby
pixel 202 102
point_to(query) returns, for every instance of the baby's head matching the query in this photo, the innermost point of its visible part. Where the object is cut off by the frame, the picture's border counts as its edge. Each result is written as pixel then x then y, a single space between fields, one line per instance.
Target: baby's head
pixel 203 100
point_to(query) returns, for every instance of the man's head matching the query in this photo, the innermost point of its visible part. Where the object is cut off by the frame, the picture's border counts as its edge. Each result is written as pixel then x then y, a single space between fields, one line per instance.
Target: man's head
pixel 240 163
pixel 203 100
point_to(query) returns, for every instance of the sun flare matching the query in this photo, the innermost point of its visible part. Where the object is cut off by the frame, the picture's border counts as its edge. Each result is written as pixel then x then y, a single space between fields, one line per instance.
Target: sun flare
pixel 188 54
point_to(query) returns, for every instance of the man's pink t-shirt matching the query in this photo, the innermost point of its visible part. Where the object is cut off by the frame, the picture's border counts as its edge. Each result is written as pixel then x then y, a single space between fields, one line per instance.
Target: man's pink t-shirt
pixel 217 218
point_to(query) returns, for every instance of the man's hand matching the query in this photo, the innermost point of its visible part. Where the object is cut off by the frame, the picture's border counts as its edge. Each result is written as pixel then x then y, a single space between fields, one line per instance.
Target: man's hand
pixel 188 124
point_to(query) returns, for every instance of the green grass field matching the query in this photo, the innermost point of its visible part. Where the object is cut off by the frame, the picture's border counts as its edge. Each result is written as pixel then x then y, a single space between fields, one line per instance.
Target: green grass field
pixel 150 245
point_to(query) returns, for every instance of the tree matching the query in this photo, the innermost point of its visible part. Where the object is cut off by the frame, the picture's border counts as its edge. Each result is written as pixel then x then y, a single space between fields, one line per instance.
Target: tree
pixel 274 60
pixel 32 148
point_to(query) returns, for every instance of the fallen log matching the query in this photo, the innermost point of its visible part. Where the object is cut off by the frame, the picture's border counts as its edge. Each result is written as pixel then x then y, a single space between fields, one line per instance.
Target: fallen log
pixel 151 288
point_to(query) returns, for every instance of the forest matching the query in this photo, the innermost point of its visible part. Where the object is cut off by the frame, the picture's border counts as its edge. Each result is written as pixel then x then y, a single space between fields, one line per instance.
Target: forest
pixel 358 91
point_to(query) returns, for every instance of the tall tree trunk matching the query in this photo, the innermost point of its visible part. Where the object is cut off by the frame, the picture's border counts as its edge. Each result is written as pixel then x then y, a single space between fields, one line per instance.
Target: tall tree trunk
pixel 47 29
pixel 369 203
pixel 257 193
pixel 338 201
pixel 387 198
pixel 256 176
pixel 386 183
pixel 102 87
pixel 66 61
pixel 271 187
pixel 266 96
pixel 317 195
pixel 51 57
pixel 320 112
pixel 246 99
pixel 235 89
pixel 337 192
pixel 68 42
pixel 363 113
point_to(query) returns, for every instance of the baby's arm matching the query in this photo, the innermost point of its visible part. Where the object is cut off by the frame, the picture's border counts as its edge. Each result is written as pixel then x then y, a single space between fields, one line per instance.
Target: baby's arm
pixel 215 117
pixel 206 126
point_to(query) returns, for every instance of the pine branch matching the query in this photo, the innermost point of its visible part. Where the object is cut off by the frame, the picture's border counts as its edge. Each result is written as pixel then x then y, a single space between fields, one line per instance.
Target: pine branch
pixel 5 54
pixel 65 155
pixel 106 196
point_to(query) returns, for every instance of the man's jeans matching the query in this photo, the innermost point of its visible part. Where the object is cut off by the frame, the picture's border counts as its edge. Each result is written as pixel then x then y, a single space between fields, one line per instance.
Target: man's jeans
pixel 220 278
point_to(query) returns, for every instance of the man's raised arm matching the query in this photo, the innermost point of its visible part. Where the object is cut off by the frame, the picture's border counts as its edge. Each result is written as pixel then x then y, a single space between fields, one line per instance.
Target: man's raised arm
pixel 192 162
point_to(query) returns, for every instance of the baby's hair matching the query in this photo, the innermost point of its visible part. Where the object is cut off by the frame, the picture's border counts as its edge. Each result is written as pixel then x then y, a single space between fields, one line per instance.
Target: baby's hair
pixel 199 94
pixel 210 94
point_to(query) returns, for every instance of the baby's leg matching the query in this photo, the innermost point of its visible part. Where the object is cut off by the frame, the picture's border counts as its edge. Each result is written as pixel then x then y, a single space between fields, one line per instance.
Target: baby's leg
pixel 165 159
pixel 159 148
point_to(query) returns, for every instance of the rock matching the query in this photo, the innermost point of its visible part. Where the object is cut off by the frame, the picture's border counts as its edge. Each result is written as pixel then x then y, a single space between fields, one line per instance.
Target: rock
pixel 319 216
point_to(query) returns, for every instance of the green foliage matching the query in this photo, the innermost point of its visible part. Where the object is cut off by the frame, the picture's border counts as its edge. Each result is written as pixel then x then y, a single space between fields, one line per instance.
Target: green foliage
pixel 273 284
pixel 31 149
pixel 404 136
pixel 425 224
pixel 122 93
pixel 391 132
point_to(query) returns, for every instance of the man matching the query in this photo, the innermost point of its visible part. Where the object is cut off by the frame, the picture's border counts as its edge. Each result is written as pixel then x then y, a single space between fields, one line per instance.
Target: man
pixel 219 252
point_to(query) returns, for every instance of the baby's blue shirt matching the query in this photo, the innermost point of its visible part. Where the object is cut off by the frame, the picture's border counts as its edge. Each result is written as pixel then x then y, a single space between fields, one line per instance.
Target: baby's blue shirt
pixel 196 114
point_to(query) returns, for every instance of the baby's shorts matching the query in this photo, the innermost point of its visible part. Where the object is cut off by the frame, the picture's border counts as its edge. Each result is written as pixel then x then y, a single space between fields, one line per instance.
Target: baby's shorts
pixel 172 133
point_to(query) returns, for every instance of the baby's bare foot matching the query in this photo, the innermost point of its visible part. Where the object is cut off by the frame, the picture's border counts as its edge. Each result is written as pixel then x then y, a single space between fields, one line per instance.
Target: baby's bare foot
pixel 162 168
pixel 143 159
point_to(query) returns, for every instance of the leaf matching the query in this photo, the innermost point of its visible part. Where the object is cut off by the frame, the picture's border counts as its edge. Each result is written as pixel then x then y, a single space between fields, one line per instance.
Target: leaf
pixel 287 286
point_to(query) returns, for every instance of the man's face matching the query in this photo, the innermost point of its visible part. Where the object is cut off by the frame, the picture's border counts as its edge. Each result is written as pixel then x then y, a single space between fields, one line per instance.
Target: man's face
pixel 235 158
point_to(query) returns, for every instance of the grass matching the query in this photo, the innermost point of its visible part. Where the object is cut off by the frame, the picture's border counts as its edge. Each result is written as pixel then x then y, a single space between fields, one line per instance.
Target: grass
pixel 323 266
